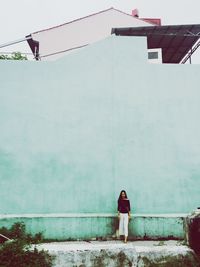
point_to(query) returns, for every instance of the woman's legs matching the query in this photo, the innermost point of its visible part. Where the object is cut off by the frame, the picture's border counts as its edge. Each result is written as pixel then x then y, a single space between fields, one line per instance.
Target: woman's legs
pixel 123 225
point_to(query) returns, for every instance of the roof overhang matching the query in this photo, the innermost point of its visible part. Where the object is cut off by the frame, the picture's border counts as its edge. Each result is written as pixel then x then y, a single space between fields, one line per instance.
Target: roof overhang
pixel 176 41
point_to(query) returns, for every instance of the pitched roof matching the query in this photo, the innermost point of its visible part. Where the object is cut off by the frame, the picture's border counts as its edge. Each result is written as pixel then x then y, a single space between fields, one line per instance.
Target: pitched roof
pixel 91 15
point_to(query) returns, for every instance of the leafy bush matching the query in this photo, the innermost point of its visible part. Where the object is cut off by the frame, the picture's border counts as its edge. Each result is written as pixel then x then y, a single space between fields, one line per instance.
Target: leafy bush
pixel 20 252
pixel 14 56
pixel 18 232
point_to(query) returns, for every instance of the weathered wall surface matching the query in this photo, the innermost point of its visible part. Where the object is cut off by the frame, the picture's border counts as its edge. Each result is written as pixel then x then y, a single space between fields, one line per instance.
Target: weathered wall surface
pixel 97 226
pixel 76 131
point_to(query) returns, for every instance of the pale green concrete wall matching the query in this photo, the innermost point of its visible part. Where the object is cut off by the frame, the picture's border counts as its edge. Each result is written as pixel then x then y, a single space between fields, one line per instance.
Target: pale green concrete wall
pixel 97 226
pixel 76 131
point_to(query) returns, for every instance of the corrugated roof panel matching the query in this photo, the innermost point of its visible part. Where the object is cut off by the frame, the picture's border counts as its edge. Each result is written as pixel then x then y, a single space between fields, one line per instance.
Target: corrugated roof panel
pixel 174 40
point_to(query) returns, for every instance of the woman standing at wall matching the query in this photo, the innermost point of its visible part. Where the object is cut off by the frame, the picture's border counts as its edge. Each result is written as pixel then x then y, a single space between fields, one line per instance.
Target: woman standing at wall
pixel 123 214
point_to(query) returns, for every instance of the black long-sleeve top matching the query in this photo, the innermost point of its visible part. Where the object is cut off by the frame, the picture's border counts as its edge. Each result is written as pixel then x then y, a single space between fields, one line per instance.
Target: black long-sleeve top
pixel 124 206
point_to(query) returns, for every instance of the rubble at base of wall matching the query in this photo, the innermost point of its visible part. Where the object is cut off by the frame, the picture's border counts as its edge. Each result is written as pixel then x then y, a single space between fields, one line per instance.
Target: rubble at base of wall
pixel 122 255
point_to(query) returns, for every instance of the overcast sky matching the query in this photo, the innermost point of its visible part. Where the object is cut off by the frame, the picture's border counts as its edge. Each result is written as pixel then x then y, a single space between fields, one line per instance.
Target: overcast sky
pixel 19 18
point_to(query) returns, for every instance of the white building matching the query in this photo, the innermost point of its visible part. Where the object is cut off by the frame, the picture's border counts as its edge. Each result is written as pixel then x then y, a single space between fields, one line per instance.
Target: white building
pixel 52 43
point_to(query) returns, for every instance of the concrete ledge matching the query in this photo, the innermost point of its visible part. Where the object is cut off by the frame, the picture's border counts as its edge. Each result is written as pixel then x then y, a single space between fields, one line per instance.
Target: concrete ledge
pixel 85 215
pixel 79 226
pixel 118 254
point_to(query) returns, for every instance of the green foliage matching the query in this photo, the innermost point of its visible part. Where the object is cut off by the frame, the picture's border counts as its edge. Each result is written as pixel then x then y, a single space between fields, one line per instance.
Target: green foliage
pixel 18 232
pixel 14 56
pixel 20 252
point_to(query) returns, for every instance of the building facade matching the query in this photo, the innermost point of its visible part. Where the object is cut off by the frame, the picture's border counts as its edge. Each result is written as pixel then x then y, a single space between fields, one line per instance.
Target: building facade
pixel 90 124
pixel 55 42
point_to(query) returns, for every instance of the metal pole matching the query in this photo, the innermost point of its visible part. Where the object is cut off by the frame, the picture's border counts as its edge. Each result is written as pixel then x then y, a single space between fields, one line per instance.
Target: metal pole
pixel 5 237
pixel 15 42
pixel 191 56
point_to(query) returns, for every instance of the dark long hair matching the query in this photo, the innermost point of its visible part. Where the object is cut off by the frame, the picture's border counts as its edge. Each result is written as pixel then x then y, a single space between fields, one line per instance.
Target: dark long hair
pixel 120 195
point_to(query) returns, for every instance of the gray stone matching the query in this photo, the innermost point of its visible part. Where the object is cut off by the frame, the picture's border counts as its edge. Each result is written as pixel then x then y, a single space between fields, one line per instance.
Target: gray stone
pixel 117 254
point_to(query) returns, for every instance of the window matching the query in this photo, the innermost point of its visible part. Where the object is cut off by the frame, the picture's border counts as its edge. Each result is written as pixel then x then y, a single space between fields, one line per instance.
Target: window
pixel 152 55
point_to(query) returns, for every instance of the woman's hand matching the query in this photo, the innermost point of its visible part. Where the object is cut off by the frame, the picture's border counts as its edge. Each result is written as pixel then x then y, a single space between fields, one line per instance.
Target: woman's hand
pixel 129 217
